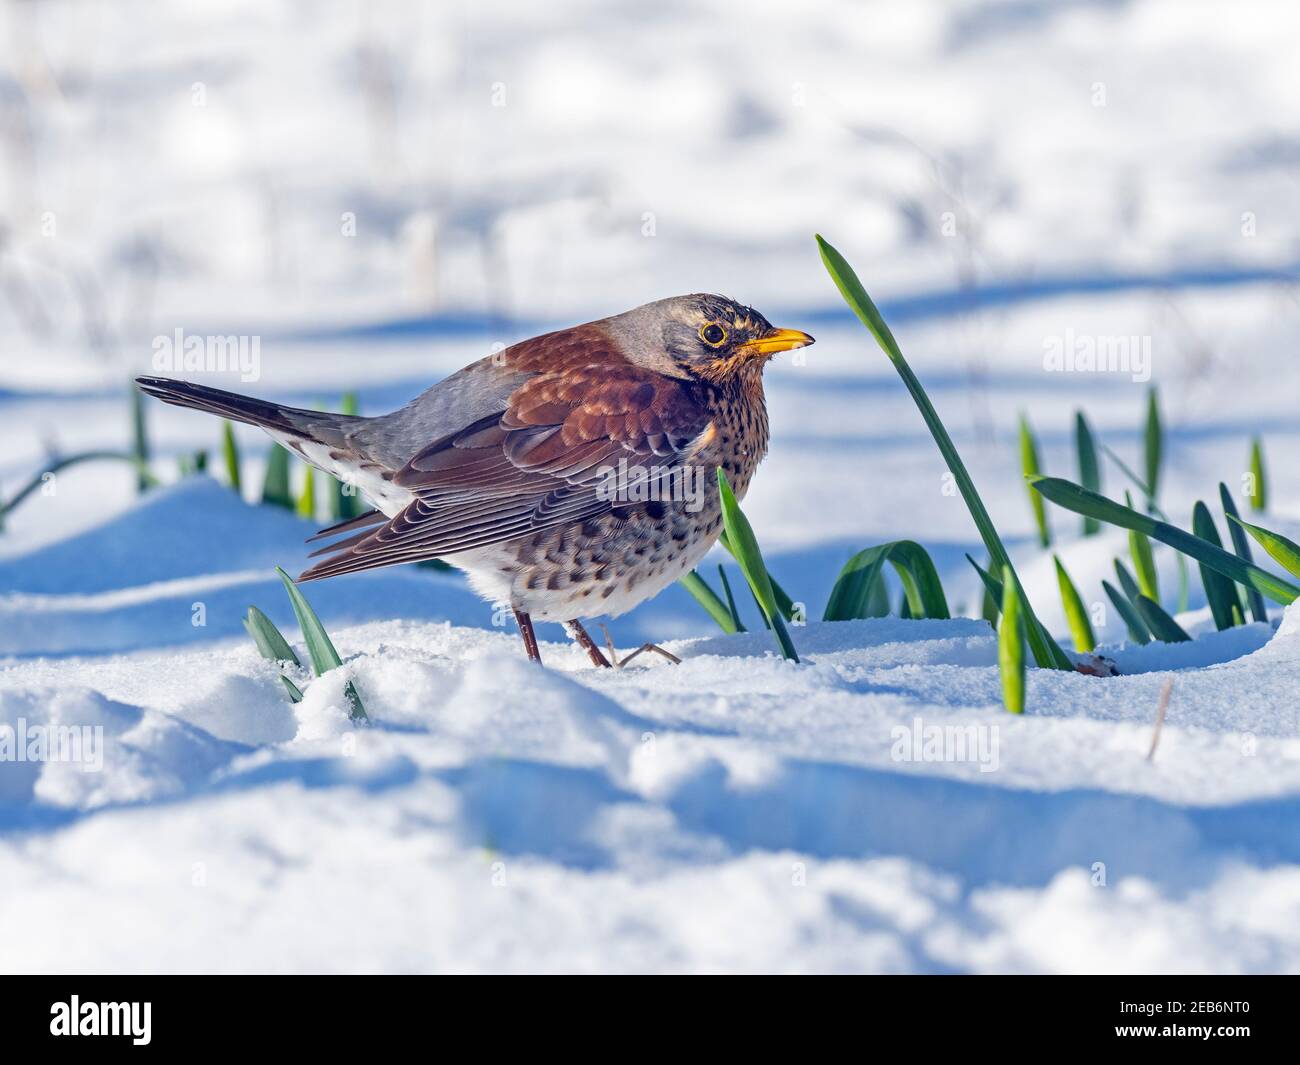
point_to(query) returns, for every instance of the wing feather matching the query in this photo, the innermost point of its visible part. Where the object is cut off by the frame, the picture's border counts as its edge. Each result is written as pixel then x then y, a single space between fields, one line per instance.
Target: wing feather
pixel 544 460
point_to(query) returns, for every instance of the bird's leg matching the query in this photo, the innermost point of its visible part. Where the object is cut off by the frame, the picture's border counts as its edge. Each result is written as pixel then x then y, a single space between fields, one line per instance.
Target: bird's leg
pixel 656 649
pixel 619 664
pixel 586 643
pixel 530 637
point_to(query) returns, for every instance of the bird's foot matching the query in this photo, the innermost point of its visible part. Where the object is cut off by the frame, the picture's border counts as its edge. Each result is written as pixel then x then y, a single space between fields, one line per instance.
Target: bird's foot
pixel 651 647
pixel 588 644
pixel 620 663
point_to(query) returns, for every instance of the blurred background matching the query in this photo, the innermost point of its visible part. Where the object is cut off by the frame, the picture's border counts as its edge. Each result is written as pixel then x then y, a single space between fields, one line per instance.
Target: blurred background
pixel 382 192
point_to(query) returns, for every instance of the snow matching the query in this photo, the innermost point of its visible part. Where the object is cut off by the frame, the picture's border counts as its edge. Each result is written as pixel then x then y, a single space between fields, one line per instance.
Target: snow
pixel 735 812
pixel 870 809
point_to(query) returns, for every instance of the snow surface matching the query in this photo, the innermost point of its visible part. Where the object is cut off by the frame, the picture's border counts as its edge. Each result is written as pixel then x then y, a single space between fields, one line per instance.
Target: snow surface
pixel 735 812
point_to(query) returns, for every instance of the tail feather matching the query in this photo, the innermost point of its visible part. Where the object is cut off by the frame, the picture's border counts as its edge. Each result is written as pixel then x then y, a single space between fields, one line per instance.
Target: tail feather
pixel 302 431
pixel 344 544
pixel 239 408
pixel 370 517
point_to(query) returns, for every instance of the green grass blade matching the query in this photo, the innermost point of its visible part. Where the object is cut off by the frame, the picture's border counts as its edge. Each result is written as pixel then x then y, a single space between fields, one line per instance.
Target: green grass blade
pixel 920 580
pixel 140 439
pixel 1162 626
pixel 339 506
pixel 761 612
pixel 230 450
pixel 1184 580
pixel 269 640
pixel 1131 592
pixel 877 600
pixel 740 534
pixel 708 598
pixel 1258 484
pixel 275 488
pixel 992 606
pixel 1284 552
pixel 1137 629
pixel 1085 446
pixel 1141 485
pixel 356 712
pixel 1126 581
pixel 784 603
pixel 1030 466
pixel 1045 650
pixel 1144 561
pixel 1076 613
pixel 1153 443
pixel 1241 547
pixel 320 649
pixel 1184 584
pixel 1072 497
pixel 344 502
pixel 1011 648
pixel 1220 593
pixel 36 482
pixel 731 600
pixel 905 607
pixel 855 592
pixel 306 507
pixel 850 595
pixel 273 647
pixel 989 608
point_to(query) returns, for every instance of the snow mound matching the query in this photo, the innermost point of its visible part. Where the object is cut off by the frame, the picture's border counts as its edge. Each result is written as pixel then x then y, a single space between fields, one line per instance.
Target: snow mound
pixel 71 747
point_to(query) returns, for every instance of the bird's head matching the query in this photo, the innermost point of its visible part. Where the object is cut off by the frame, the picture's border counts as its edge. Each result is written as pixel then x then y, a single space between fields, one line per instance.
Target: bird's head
pixel 703 336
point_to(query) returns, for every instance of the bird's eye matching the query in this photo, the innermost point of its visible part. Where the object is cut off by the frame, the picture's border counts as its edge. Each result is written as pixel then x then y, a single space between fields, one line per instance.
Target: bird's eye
pixel 713 334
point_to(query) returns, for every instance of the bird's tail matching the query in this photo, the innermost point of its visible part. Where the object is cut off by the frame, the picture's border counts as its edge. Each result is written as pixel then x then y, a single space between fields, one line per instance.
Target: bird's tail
pixel 273 417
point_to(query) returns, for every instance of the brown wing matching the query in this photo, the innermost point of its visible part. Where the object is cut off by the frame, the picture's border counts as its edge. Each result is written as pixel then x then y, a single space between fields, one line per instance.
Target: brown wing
pixel 543 461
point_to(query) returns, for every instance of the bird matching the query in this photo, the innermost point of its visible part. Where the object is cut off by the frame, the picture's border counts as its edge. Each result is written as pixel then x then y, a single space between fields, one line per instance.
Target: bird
pixel 571 475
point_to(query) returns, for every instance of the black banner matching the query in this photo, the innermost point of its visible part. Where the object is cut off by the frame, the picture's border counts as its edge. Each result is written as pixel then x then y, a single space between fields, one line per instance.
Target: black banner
pixel 145 1013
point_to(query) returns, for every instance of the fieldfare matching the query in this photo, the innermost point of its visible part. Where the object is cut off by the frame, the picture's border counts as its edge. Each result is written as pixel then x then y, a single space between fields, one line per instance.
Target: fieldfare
pixel 571 476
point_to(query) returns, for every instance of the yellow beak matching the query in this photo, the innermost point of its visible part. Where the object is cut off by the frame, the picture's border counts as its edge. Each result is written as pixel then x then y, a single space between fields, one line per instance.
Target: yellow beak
pixel 777 340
